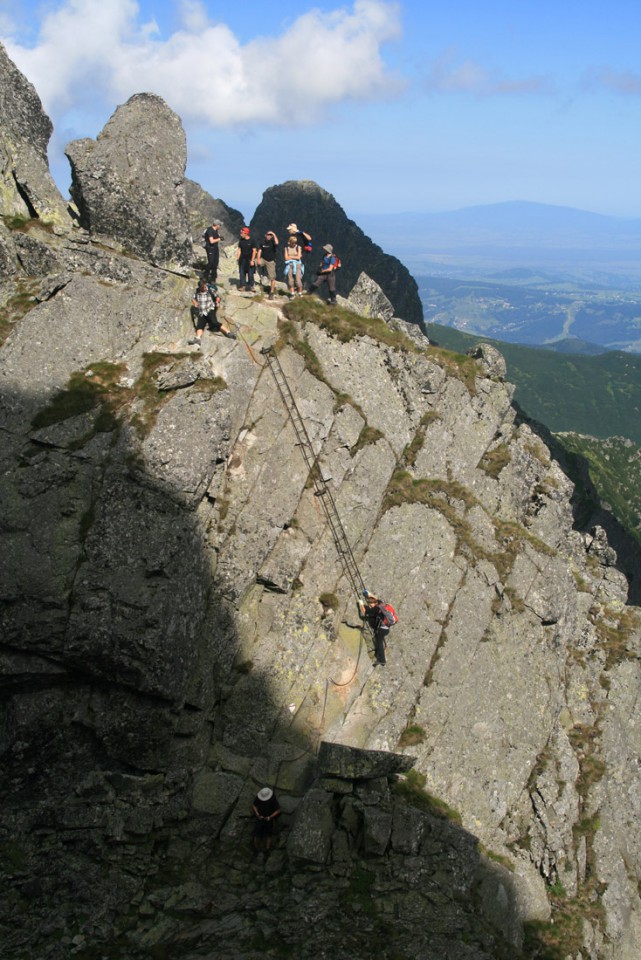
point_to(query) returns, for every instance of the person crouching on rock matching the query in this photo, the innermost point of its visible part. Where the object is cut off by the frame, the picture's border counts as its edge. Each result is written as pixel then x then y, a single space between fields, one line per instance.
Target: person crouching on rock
pixel 265 809
pixel 206 303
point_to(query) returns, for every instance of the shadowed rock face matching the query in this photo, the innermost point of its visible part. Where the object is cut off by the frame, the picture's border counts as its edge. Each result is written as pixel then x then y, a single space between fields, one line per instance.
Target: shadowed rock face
pixel 26 187
pixel 177 631
pixel 129 182
pixel 317 212
pixel 205 210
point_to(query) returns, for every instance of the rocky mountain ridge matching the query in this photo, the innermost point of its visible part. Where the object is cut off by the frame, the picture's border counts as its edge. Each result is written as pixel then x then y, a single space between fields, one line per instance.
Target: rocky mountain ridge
pixel 177 632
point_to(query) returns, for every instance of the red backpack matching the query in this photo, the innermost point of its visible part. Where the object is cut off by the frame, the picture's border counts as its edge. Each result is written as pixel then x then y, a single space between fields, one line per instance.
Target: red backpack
pixel 391 617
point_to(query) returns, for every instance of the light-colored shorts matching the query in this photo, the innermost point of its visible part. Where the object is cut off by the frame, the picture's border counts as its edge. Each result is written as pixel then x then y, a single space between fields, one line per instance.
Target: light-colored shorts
pixel 269 268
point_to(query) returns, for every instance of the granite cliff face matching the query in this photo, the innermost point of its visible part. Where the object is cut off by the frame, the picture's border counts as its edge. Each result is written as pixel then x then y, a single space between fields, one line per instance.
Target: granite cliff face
pixel 177 631
pixel 129 182
pixel 27 189
pixel 204 210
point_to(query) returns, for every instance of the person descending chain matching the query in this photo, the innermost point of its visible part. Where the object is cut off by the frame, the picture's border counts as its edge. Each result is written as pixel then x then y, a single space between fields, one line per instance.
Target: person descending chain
pixel 380 616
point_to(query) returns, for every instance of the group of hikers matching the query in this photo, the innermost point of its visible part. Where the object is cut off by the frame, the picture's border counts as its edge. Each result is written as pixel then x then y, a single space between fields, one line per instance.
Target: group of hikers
pixel 260 257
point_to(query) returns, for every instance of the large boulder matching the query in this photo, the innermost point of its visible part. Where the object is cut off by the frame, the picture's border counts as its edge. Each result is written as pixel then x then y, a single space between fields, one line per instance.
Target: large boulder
pixel 128 184
pixel 27 189
pixel 317 212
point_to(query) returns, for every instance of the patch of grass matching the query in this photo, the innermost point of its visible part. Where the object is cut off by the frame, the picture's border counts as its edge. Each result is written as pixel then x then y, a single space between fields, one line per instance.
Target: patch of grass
pixel 413 449
pixel 289 335
pixel 245 666
pixel 614 630
pixel 149 398
pixel 412 790
pixel 511 537
pixel 17 306
pixel 209 385
pixel 563 936
pixel 405 488
pixel 497 858
pixel 16 222
pixel 329 600
pixel 457 365
pixel 411 735
pixel 516 601
pixel 495 460
pixel 345 325
pixel 85 390
pixel 367 436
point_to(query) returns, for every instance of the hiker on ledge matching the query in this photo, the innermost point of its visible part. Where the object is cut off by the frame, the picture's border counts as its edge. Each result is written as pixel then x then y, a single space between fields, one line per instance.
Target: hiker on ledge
pixel 212 249
pixel 246 257
pixel 205 303
pixel 266 262
pixel 326 273
pixel 380 616
pixel 265 809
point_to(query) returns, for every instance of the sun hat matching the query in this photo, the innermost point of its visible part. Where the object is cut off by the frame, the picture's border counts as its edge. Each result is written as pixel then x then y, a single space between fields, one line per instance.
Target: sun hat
pixel 328 248
pixel 265 794
pixel 292 228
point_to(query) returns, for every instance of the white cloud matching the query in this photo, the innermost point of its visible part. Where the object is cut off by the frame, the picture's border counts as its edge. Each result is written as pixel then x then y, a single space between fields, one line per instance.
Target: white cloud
pixel 471 77
pixel 625 82
pixel 98 50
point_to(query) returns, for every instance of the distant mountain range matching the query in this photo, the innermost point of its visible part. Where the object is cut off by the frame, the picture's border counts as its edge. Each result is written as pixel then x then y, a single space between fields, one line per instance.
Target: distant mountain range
pixel 573 317
pixel 597 395
pixel 482 239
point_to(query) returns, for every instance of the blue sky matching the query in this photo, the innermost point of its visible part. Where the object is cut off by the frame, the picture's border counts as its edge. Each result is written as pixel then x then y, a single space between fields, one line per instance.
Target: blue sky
pixel 392 107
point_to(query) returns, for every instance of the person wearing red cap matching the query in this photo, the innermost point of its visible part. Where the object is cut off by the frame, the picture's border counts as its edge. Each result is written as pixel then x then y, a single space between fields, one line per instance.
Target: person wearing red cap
pixel 246 257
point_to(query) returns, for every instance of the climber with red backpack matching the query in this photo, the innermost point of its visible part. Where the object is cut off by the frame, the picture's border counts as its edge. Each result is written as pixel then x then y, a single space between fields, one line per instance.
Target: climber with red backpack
pixel 326 273
pixel 380 616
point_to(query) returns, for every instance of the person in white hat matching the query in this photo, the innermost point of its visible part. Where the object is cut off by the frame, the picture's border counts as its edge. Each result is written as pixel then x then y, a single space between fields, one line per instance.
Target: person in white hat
pixel 303 240
pixel 265 809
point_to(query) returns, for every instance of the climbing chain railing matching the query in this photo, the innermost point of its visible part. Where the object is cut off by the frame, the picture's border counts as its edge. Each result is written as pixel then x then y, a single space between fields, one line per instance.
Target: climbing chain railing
pixel 321 487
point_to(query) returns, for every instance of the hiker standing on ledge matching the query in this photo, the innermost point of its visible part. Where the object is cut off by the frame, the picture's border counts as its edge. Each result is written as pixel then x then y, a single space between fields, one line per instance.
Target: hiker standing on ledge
pixel 326 273
pixel 212 249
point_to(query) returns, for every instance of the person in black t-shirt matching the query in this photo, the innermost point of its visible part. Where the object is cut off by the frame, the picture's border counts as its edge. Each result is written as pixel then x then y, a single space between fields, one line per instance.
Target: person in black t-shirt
pixel 212 249
pixel 246 256
pixel 266 261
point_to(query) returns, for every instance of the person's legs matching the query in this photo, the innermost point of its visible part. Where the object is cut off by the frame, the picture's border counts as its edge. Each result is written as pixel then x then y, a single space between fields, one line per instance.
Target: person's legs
pixel 200 327
pixel 331 286
pixel 379 645
pixel 212 264
pixel 270 269
pixel 215 325
pixel 243 268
